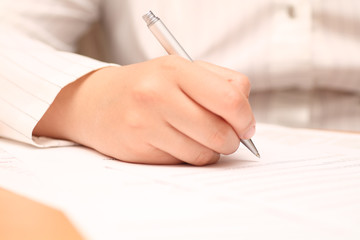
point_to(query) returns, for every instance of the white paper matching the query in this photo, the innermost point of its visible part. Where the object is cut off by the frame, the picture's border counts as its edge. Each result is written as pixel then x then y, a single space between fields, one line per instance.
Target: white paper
pixel 305 186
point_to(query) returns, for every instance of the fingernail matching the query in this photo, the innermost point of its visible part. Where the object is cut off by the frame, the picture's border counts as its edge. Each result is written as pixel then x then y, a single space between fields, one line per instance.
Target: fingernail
pixel 250 132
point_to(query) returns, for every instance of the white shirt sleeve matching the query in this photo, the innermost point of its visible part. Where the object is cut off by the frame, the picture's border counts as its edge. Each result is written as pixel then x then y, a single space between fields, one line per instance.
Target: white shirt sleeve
pixel 36 40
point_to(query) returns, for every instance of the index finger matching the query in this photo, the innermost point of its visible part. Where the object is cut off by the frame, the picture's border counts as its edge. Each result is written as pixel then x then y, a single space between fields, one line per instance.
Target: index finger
pixel 239 80
pixel 219 96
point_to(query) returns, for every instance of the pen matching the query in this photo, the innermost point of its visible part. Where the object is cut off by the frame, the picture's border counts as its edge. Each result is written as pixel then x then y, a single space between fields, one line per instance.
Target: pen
pixel 172 46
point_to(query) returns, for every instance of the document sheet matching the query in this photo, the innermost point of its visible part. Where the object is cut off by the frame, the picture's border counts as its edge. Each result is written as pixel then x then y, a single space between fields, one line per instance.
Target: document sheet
pixel 306 185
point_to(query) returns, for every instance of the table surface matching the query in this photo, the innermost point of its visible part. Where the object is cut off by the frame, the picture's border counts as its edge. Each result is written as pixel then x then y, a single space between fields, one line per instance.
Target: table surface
pixel 24 218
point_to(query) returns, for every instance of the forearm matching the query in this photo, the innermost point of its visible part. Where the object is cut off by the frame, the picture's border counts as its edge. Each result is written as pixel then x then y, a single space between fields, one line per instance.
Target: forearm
pixel 32 74
pixel 70 111
pixel 35 59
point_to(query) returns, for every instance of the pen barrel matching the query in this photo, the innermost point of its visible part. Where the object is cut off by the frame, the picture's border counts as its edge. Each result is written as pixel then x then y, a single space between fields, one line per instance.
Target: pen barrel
pixel 167 40
pixel 172 46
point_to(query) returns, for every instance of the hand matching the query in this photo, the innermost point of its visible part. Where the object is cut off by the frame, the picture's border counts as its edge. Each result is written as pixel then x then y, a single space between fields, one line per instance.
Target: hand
pixel 164 111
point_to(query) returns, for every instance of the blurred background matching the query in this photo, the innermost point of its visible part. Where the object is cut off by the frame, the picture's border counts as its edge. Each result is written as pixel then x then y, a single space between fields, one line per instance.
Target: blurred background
pixel 319 109
pixel 334 28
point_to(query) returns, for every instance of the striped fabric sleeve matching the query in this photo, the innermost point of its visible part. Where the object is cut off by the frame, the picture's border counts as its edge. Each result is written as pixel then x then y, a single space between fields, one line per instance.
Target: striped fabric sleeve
pixel 36 63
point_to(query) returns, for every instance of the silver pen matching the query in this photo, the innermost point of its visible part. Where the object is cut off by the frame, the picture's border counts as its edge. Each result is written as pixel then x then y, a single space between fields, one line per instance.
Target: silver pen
pixel 172 46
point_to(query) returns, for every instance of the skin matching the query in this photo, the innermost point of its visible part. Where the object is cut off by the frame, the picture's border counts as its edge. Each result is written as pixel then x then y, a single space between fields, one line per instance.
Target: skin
pixel 163 111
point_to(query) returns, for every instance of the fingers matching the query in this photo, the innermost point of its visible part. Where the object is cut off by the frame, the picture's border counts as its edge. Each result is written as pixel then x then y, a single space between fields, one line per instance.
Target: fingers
pixel 199 124
pixel 218 96
pixel 240 81
pixel 183 148
pixel 143 154
pixel 162 112
pixel 153 155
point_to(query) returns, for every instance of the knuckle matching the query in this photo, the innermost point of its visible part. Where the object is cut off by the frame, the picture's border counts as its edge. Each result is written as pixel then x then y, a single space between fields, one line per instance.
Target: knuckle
pixel 170 63
pixel 133 120
pixel 224 140
pixel 147 92
pixel 233 100
pixel 243 84
pixel 246 82
pixel 218 138
pixel 203 157
pixel 215 158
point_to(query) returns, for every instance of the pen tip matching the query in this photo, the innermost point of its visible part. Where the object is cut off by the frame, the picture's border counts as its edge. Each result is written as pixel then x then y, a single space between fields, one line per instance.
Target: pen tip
pixel 250 145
